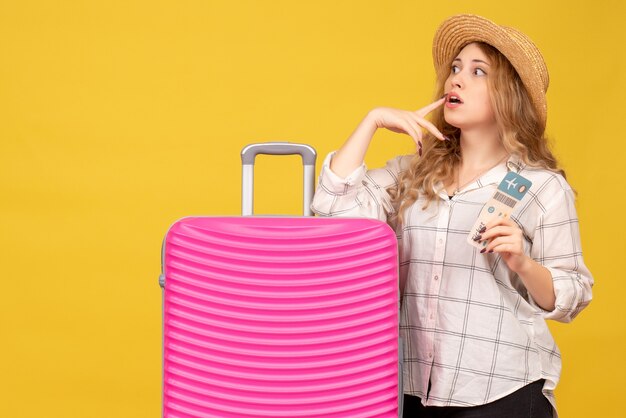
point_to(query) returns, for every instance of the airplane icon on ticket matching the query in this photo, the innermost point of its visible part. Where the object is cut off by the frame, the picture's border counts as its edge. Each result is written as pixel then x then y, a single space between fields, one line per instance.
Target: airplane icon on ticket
pixel 511 183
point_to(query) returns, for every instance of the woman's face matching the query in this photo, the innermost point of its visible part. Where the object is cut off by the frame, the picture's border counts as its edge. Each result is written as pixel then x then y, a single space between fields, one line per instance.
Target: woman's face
pixel 468 105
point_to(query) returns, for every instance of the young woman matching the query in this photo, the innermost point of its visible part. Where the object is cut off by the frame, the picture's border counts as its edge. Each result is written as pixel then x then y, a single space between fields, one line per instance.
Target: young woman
pixel 473 322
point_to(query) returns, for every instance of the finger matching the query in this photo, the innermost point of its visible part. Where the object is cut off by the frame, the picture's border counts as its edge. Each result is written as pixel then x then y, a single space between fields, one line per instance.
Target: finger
pixel 496 231
pixel 429 126
pixel 429 108
pixel 416 134
pixel 498 243
pixel 414 128
pixel 505 247
pixel 418 131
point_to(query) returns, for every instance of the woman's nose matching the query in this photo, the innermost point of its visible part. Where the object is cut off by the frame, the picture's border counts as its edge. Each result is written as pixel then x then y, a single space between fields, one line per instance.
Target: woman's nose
pixel 456 80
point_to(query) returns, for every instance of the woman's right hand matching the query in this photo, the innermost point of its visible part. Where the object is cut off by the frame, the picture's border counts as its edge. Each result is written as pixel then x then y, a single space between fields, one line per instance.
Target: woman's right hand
pixel 410 123
pixel 352 152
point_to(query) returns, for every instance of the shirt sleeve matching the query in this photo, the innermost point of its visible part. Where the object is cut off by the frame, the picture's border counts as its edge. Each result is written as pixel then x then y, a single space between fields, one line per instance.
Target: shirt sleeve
pixel 556 245
pixel 363 193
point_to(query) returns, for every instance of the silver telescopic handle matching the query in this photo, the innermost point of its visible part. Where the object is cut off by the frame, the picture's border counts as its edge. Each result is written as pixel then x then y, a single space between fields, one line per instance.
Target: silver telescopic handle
pixel 248 155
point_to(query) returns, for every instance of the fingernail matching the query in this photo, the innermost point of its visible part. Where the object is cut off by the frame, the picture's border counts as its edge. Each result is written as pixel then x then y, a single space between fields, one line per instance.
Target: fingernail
pixel 446 138
pixel 483 229
pixel 478 238
pixel 420 152
pixel 490 251
pixel 444 95
pixel 483 250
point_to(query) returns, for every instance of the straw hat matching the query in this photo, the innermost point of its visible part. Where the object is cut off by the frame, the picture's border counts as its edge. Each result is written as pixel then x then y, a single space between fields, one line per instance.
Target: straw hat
pixel 460 30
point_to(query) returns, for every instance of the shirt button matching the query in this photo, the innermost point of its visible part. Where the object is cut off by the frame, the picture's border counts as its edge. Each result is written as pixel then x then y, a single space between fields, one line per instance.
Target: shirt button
pixel 430 355
pixel 440 240
pixel 436 277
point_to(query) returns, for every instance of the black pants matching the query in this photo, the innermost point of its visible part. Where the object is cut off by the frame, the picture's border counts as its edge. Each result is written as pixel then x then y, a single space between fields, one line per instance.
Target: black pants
pixel 527 402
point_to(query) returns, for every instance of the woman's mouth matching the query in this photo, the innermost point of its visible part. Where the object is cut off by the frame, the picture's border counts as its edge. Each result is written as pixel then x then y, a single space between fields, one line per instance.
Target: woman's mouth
pixel 453 100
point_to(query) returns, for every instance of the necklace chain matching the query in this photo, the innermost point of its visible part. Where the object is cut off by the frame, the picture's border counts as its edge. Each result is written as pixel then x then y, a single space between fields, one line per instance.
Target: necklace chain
pixel 458 170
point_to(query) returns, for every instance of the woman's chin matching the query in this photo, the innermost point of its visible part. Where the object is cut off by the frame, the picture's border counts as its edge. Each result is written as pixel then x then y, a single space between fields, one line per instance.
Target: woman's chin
pixel 462 122
pixel 451 120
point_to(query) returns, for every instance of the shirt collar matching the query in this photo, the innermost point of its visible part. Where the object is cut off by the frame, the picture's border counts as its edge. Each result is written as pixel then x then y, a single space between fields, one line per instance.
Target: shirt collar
pixel 493 176
pixel 496 174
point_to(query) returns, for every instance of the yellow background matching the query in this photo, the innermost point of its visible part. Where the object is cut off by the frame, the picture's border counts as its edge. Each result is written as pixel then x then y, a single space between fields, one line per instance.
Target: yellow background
pixel 119 117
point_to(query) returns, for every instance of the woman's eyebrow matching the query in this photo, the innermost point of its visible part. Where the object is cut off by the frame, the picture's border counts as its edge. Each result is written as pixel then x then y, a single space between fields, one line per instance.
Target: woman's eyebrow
pixel 475 60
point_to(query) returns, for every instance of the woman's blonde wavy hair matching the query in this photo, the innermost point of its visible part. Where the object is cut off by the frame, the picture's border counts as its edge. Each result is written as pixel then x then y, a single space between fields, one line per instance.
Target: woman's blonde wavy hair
pixel 519 126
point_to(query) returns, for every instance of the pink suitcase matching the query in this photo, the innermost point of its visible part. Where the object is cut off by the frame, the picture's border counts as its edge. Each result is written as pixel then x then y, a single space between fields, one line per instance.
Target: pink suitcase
pixel 280 316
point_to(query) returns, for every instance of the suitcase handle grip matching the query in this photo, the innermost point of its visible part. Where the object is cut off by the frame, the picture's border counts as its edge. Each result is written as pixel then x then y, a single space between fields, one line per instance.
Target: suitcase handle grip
pixel 248 155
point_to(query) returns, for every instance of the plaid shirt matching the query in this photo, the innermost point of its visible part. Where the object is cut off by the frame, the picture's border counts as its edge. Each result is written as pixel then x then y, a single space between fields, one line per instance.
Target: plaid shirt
pixel 468 324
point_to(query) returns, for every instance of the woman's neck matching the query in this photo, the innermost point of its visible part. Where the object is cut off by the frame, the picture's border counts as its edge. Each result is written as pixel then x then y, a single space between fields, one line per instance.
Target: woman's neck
pixel 480 149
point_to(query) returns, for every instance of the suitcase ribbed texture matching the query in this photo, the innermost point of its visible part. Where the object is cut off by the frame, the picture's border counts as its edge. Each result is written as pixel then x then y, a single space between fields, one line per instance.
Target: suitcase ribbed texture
pixel 280 317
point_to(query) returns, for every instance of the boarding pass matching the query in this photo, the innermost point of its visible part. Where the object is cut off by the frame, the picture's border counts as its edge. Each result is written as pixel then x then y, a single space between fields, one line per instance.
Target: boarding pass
pixel 508 194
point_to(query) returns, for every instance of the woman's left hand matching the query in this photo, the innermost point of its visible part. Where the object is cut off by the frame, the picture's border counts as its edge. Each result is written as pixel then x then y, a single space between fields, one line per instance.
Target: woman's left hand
pixel 508 240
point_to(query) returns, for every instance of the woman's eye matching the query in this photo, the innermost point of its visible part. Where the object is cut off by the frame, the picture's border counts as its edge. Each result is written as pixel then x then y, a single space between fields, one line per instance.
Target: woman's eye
pixel 455 69
pixel 479 71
